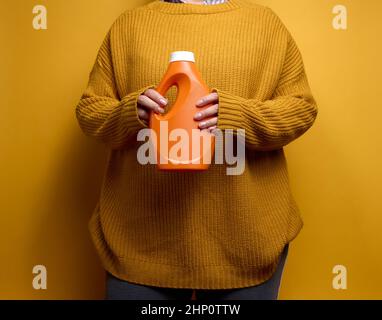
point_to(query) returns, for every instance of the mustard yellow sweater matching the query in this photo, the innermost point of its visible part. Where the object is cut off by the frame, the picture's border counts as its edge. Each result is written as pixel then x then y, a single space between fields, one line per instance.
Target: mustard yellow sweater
pixel 198 230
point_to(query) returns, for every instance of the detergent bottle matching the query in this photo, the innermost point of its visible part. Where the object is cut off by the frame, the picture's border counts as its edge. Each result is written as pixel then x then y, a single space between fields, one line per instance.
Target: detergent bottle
pixel 178 142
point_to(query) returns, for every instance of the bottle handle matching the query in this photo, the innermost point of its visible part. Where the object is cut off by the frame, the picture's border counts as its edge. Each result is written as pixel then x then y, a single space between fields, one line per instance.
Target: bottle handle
pixel 182 84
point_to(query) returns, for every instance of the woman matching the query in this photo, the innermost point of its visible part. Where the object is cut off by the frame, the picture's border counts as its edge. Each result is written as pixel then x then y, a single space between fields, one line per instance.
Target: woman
pixel 161 235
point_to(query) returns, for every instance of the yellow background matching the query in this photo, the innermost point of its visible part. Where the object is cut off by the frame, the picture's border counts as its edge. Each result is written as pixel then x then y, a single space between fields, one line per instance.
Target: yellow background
pixel 51 173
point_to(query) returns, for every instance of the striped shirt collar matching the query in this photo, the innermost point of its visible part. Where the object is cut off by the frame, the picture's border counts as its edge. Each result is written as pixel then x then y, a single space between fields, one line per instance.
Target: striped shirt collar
pixel 204 2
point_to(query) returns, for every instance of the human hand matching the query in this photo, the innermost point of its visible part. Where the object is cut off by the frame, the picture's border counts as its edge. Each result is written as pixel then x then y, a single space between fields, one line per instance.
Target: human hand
pixel 212 111
pixel 150 100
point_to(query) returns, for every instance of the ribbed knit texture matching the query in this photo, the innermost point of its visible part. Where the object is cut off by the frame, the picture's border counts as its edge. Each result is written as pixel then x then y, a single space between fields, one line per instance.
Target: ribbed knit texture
pixel 208 229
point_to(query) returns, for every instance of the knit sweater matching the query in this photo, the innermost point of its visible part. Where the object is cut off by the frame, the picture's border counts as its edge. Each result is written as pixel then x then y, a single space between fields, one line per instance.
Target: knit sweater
pixel 201 230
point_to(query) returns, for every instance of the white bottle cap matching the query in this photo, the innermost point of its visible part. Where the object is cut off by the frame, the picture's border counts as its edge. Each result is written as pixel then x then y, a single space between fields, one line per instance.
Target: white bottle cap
pixel 182 56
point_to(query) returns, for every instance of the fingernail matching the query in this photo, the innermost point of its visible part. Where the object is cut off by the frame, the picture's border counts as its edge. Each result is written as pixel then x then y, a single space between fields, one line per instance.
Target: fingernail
pixel 198 115
pixel 163 101
pixel 200 101
pixel 202 124
pixel 161 110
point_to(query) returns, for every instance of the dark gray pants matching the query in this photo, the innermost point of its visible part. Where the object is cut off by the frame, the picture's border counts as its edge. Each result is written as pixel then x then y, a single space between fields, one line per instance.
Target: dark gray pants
pixel 117 289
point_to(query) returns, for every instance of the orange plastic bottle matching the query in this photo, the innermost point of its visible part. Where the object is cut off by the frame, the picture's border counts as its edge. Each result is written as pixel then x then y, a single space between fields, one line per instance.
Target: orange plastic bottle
pixel 190 148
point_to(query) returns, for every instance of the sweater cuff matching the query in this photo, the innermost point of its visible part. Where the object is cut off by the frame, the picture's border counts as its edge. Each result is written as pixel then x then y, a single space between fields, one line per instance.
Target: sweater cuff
pixel 230 114
pixel 129 105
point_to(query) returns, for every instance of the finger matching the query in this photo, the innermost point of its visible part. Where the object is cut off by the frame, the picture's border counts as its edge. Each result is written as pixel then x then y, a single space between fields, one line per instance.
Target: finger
pixel 211 129
pixel 205 131
pixel 143 114
pixel 211 98
pixel 214 131
pixel 208 112
pixel 156 96
pixel 149 104
pixel 208 123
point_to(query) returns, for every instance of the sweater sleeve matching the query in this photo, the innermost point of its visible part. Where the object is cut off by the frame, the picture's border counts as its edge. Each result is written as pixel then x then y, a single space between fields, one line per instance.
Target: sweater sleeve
pixel 272 124
pixel 101 113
